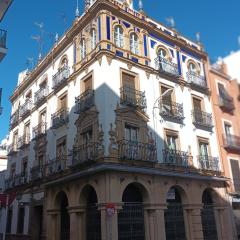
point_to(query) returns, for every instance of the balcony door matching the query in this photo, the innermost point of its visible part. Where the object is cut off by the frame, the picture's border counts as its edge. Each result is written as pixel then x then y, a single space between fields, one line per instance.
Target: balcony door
pixel 88 84
pixel 197 108
pixel 129 86
pixel 166 100
pixel 42 121
pixel 61 153
pixel 171 142
pixel 204 155
pixel 131 143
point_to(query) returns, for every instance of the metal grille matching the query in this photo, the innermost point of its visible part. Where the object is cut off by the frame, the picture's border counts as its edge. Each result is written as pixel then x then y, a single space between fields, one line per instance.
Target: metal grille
pixel 131 222
pixel 174 222
pixel 208 223
pixel 93 223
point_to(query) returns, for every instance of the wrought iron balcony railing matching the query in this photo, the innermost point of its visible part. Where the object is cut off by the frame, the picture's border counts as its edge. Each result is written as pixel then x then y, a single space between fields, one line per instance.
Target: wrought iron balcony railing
pixel 197 81
pixel 133 97
pixel 3 38
pixel 56 165
pixel 85 153
pixel 41 94
pixel 226 103
pixel 202 119
pixel 175 158
pixel 171 109
pixel 131 150
pixel 60 77
pixel 25 108
pixel 16 180
pixel 14 119
pixel 84 101
pixel 208 163
pixel 12 148
pixel 39 130
pixel 60 118
pixel 23 141
pixel 166 66
pixel 37 172
pixel 231 142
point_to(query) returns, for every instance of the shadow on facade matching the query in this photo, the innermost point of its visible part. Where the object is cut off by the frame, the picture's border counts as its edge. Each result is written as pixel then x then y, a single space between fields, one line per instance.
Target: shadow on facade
pixel 107 142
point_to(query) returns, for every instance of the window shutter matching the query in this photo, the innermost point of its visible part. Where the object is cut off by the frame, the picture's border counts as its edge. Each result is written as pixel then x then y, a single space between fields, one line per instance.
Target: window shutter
pixel 128 80
pixel 235 174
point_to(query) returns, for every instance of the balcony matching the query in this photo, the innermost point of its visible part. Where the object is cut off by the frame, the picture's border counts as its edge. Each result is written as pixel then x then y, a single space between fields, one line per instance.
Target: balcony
pixel 3 48
pixel 23 141
pixel 39 130
pixel 60 118
pixel 132 97
pixel 60 77
pixel 202 119
pixel 197 82
pixel 208 163
pixel 17 180
pixel 25 108
pixel 130 150
pixel 36 173
pixel 40 95
pixel 175 158
pixel 172 110
pixel 12 149
pixel 166 67
pixel 231 142
pixel 14 119
pixel 56 165
pixel 85 153
pixel 84 102
pixel 226 103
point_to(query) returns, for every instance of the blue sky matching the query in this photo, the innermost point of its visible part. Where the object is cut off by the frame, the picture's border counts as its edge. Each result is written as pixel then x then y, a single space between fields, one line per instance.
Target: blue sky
pixel 217 21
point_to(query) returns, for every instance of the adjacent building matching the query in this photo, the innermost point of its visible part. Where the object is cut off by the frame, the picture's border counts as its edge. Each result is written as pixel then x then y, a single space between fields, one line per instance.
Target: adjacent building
pixel 112 136
pixel 226 107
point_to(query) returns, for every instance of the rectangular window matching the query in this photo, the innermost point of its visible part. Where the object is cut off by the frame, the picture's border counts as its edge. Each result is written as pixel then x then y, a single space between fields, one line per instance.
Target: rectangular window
pixel 42 117
pixel 15 139
pixel 61 150
pixel 87 136
pixel 128 80
pixel 63 102
pixel 171 142
pixel 197 104
pixel 131 133
pixel 88 84
pixel 24 167
pixel 20 224
pixel 228 129
pixel 40 160
pixel 235 174
pixel 13 170
pixel 204 149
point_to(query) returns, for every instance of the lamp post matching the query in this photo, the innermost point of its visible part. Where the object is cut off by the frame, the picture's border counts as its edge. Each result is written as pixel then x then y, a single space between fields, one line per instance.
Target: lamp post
pixel 166 93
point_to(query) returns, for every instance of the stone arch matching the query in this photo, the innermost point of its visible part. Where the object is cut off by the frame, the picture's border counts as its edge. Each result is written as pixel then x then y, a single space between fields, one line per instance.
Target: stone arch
pixel 140 185
pixel 182 192
pixel 168 53
pixel 57 197
pixel 62 204
pixel 131 218
pixel 215 196
pixel 191 61
pixel 85 190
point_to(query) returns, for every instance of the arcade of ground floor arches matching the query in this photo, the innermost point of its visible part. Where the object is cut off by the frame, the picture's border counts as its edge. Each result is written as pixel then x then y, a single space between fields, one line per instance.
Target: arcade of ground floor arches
pixel 156 209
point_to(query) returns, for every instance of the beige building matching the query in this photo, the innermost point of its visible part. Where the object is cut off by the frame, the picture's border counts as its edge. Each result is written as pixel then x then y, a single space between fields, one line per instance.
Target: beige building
pixel 112 136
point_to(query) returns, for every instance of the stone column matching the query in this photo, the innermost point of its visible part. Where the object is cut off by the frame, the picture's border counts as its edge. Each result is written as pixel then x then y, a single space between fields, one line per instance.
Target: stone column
pixel 77 231
pixel 160 222
pixel 104 229
pixel 194 221
pixel 53 226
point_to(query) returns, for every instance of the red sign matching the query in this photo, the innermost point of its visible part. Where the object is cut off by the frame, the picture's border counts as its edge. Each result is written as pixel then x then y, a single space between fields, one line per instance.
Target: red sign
pixel 110 209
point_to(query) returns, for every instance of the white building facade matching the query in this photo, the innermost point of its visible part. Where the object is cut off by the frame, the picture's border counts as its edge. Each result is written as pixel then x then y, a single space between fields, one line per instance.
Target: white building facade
pixel 117 116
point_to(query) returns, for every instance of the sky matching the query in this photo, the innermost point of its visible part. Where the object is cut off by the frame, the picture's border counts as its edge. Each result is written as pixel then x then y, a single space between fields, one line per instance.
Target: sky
pixel 217 21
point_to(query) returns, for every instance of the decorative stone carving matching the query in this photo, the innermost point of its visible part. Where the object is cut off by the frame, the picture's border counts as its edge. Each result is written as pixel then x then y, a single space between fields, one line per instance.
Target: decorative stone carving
pixel 113 146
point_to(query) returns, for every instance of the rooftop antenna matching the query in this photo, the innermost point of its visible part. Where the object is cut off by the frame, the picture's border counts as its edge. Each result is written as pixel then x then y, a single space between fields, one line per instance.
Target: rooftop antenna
pixel 29 62
pixel 140 6
pixel 198 37
pixel 64 18
pixel 39 39
pixel 77 11
pixel 171 22
pixel 1 101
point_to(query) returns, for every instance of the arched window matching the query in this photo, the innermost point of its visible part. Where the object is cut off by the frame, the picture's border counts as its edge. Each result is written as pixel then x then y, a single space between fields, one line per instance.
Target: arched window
pixel 192 67
pixel 118 36
pixel 162 53
pixel 64 62
pixel 93 38
pixel 134 43
pixel 83 49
